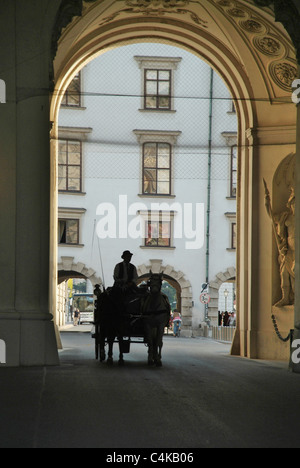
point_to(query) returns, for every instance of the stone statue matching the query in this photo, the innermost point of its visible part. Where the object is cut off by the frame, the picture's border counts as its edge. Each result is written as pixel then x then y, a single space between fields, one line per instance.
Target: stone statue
pixel 284 231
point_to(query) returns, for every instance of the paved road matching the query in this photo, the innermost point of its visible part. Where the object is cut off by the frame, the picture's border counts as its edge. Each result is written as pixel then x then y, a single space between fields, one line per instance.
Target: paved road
pixel 201 398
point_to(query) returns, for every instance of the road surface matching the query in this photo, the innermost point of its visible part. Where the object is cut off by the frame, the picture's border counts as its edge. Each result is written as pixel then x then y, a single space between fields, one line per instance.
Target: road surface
pixel 201 398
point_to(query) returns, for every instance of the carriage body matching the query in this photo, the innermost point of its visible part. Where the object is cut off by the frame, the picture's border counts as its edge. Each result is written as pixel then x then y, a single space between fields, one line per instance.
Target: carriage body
pixel 131 324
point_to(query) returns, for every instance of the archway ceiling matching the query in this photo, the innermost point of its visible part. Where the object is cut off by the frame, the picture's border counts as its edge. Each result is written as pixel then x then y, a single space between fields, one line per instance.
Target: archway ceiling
pixel 247 32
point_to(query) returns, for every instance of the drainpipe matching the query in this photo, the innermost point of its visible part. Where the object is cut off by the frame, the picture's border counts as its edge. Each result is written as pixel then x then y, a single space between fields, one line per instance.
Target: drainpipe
pixel 211 91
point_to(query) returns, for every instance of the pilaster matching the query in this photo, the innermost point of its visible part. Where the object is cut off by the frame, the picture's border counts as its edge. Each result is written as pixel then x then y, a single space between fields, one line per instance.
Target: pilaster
pixel 26 325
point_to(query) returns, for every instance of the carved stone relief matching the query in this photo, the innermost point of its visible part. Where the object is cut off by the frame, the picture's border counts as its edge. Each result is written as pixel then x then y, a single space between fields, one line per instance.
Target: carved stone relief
pixel 161 8
pixel 283 73
pixel 268 45
pixel 253 26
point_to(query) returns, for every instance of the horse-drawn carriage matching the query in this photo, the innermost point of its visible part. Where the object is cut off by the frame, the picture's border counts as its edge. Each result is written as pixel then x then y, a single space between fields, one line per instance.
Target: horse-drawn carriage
pixel 138 316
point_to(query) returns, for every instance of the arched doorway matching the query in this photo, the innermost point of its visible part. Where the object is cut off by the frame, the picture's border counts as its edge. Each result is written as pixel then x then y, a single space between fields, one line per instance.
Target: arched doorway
pixel 242 41
pixel 214 291
pixel 257 70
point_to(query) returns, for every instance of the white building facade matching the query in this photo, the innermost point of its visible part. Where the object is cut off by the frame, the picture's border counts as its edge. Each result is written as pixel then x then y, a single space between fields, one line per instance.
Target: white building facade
pixel 147 163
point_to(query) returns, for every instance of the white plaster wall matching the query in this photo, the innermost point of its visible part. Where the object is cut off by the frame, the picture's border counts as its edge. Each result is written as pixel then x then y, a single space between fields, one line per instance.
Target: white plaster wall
pixel 111 160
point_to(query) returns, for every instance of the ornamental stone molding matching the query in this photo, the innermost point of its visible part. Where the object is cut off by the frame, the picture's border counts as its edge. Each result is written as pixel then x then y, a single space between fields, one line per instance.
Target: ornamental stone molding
pixel 283 74
pixel 268 45
pixel 68 264
pixel 273 50
pixel 158 8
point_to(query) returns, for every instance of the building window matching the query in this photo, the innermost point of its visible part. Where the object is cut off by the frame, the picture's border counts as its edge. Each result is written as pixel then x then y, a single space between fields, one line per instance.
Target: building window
pixel 232 109
pixel 233 236
pixel 158 234
pixel 158 85
pixel 69 166
pixel 158 228
pixel 72 97
pixel 157 154
pixel 233 231
pixel 68 231
pixel 158 82
pixel 157 168
pixel 233 177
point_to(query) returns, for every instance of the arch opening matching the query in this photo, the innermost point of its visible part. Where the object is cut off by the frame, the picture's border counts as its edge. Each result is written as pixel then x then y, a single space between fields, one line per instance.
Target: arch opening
pixel 251 96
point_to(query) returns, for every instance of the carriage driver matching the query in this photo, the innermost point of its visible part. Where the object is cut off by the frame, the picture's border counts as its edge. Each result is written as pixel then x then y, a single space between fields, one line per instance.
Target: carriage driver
pixel 125 274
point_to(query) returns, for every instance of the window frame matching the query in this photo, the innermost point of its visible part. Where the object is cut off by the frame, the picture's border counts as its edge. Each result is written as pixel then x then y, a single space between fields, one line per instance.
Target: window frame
pixel 157 96
pixel 67 165
pixel 233 155
pixel 66 220
pixel 169 64
pixel 157 168
pixel 157 245
pixel 65 100
pixel 233 236
pixel 157 136
pixel 71 214
pixel 159 217
pixel 231 216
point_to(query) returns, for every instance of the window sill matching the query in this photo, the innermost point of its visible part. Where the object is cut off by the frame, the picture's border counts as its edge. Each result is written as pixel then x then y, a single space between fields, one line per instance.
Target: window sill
pixel 71 245
pixel 69 192
pixel 156 247
pixel 72 107
pixel 153 195
pixel 231 250
pixel 159 111
pixel 231 198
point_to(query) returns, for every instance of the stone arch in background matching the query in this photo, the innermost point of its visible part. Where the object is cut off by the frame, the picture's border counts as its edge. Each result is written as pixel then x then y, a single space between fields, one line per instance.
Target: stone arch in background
pixel 214 286
pixel 67 268
pixel 186 294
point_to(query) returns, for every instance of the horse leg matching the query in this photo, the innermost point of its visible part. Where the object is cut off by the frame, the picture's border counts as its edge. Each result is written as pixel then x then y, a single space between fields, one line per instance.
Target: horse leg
pixel 159 345
pixel 150 340
pixel 110 359
pixel 102 349
pixel 121 358
pixel 101 342
pixel 155 345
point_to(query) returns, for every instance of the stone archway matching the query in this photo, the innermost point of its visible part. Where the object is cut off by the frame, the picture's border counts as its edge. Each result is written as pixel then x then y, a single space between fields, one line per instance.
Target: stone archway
pixel 256 59
pixel 67 267
pixel 214 287
pixel 156 266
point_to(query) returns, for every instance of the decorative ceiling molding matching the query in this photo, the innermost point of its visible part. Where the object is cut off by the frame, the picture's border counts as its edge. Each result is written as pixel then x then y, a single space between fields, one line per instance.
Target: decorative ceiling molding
pixel 273 51
pixel 159 8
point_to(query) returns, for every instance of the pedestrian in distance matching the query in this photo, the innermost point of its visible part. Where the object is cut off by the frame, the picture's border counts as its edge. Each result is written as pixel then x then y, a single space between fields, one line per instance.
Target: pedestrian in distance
pixel 76 317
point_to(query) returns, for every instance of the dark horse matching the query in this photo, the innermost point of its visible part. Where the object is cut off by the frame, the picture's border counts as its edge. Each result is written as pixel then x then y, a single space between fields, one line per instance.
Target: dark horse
pixel 156 311
pixel 109 323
